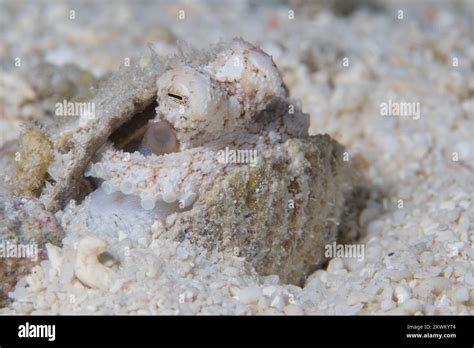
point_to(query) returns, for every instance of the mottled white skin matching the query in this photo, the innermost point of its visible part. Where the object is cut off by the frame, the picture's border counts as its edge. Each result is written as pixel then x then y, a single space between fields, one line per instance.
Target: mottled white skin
pixel 178 177
pixel 201 111
pixel 181 177
pixel 221 97
pixel 249 74
pixel 87 267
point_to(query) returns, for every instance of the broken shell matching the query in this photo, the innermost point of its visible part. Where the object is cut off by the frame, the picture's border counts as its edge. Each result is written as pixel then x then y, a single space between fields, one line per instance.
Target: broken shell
pixel 31 175
pixel 87 267
pixel 55 256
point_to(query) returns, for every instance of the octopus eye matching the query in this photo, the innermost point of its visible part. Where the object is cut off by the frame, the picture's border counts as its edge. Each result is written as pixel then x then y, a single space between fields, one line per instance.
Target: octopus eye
pixel 177 98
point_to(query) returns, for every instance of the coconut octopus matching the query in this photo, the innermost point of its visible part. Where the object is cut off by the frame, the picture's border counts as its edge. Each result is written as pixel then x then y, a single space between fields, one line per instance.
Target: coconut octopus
pixel 212 145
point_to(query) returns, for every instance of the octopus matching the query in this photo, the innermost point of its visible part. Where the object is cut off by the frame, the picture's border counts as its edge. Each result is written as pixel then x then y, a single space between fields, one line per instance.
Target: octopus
pixel 200 111
pixel 176 135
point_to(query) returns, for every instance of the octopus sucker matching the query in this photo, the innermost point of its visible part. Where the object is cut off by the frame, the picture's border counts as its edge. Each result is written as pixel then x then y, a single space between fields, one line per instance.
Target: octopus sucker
pixel 148 200
pixel 180 143
pixel 127 187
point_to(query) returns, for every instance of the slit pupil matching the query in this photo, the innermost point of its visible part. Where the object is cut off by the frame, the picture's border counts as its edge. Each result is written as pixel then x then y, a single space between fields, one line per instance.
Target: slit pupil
pixel 175 96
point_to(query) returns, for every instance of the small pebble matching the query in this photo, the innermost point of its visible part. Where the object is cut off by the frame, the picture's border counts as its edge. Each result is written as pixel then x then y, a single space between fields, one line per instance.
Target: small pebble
pixel 293 310
pixel 402 293
pixel 387 304
pixel 277 302
pixel 335 265
pixel 269 290
pixel 461 294
pixel 412 306
pixel 250 294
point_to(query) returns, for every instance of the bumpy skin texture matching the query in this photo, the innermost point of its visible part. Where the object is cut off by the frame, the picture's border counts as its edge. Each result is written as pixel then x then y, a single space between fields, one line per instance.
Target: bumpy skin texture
pixel 174 177
pixel 208 108
pixel 277 211
pixel 222 96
